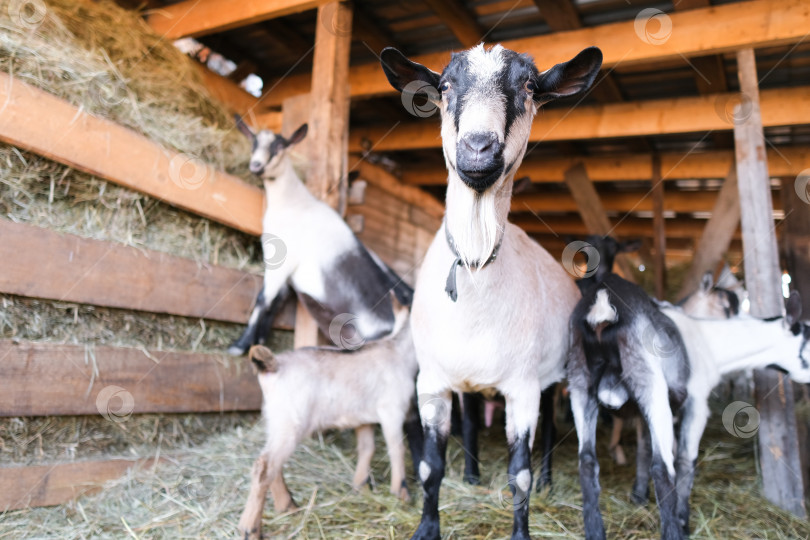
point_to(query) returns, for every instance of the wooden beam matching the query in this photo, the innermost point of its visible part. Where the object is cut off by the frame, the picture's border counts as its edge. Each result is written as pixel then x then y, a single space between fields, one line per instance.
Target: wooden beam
pixel 238 101
pixel 699 32
pixel 782 161
pixel 379 177
pixel 560 15
pixel 49 485
pixel 627 227
pixel 47 125
pixel 779 458
pixel 659 230
pixel 630 201
pixel 42 263
pixel 46 379
pixel 460 20
pixel 717 234
pixel 194 18
pixel 780 107
pixel 593 213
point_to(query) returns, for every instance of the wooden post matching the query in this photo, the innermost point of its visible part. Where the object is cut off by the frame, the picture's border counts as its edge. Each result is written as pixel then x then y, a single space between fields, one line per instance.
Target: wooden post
pixel 593 213
pixel 778 440
pixel 659 230
pixel 717 234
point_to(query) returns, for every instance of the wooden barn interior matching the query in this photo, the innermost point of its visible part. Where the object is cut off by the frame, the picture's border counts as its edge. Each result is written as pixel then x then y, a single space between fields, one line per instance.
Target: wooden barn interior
pixel 695 139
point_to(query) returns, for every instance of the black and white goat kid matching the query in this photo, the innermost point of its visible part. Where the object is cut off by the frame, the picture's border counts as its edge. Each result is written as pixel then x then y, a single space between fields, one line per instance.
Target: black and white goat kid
pixel 491 306
pixel 309 250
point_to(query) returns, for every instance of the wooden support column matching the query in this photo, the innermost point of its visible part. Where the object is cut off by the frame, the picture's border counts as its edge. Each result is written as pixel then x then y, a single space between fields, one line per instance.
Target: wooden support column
pixel 778 440
pixel 593 213
pixel 659 231
pixel 717 234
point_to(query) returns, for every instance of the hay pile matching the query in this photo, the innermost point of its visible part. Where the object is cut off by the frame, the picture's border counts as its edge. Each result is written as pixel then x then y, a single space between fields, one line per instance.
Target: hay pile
pixel 200 492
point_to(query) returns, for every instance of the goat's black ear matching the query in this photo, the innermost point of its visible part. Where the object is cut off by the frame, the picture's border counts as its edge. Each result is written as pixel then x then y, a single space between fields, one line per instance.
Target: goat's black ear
pixel 569 78
pixel 707 282
pixel 298 135
pixel 400 71
pixel 246 131
pixel 793 309
pixel 630 246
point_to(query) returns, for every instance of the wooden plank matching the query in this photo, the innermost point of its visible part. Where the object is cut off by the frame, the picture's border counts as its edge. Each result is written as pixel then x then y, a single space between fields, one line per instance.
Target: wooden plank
pixel 46 379
pixel 460 20
pixel 377 176
pixel 593 213
pixel 659 230
pixel 327 177
pixel 779 457
pixel 560 15
pixel 699 32
pixel 717 234
pixel 49 485
pixel 42 263
pixel 782 161
pixel 194 18
pixel 680 227
pixel 780 107
pixel 47 125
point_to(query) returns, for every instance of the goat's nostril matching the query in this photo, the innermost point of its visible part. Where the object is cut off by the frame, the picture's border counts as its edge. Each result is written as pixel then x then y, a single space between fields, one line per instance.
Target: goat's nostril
pixel 479 143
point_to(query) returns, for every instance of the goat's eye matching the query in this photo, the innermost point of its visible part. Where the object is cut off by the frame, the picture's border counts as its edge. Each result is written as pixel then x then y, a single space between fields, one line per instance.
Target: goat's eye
pixel 530 86
pixel 444 87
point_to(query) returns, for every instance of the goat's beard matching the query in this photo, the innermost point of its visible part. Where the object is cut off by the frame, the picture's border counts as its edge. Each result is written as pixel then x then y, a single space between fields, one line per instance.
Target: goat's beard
pixel 476 221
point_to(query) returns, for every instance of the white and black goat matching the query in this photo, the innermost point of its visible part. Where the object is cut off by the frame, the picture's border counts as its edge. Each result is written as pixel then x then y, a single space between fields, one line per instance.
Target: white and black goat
pixel 629 349
pixel 316 388
pixel 309 249
pixel 491 306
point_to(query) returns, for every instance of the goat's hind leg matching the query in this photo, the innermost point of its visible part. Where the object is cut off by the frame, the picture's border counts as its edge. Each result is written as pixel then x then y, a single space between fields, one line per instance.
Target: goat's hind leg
pixel 470 420
pixel 548 435
pixel 641 487
pixel 586 412
pixel 365 451
pixel 392 432
pixel 693 422
pixel 266 473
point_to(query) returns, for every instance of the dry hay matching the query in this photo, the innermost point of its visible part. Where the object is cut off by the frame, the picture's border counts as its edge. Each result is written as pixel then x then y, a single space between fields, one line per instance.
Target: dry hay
pixel 199 493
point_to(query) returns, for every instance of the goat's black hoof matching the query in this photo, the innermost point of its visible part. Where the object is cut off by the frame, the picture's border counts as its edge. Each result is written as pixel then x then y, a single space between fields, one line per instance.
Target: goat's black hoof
pixel 638 498
pixel 237 350
pixel 472 479
pixel 428 530
pixel 543 487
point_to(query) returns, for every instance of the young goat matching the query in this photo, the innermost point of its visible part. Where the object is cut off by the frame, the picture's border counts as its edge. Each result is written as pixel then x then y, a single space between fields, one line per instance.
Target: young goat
pixel 499 323
pixel 316 388
pixel 629 349
pixel 310 250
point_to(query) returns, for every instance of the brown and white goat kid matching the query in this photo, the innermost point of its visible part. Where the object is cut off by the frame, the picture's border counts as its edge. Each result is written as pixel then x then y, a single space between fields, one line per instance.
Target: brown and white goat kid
pixel 500 322
pixel 316 388
pixel 309 249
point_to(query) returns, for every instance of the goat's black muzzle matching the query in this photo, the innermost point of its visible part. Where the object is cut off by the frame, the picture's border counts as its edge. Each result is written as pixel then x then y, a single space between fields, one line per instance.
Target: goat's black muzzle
pixel 479 160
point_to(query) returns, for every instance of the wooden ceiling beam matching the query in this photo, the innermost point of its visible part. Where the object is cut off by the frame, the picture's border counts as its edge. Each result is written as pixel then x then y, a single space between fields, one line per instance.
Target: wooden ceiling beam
pixel 628 227
pixel 460 20
pixel 780 107
pixel 782 162
pixel 194 18
pixel 699 32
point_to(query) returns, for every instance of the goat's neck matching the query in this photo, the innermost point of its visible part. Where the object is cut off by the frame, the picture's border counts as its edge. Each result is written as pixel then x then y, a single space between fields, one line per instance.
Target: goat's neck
pixel 747 342
pixel 286 188
pixel 475 221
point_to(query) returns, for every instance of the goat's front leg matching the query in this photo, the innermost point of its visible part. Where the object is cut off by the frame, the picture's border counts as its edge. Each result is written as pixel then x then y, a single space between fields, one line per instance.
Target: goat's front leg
pixel 471 418
pixel 522 408
pixel 268 303
pixel 365 451
pixel 435 409
pixel 615 447
pixel 641 487
pixel 548 435
pixel 586 412
pixel 693 422
pixel 392 432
